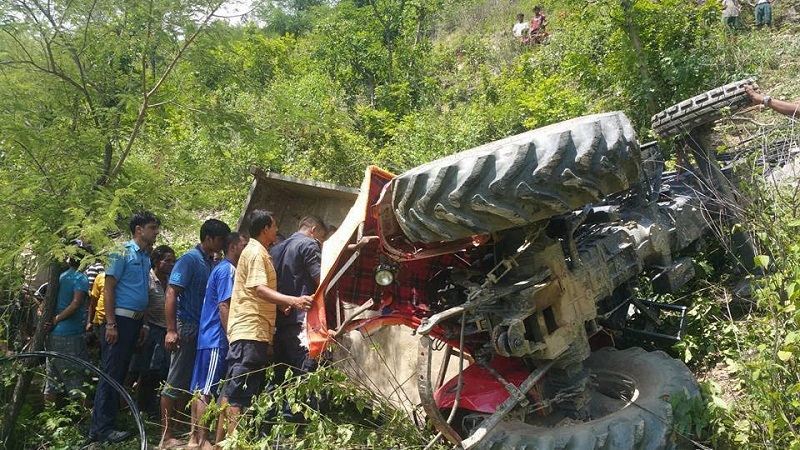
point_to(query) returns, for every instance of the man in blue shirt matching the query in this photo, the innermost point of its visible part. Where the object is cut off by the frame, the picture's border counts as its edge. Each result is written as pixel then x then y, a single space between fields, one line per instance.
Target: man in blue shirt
pixel 183 305
pixel 125 300
pixel 297 265
pixel 67 335
pixel 212 342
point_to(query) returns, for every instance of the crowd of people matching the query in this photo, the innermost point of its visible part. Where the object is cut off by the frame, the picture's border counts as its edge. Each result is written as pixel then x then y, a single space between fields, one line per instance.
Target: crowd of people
pixel 534 32
pixel 199 328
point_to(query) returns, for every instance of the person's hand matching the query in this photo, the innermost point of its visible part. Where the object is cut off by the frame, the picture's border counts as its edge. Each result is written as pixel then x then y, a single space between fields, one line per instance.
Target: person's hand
pixel 88 328
pixel 142 336
pixel 48 326
pixel 303 302
pixel 112 336
pixel 171 341
pixel 755 97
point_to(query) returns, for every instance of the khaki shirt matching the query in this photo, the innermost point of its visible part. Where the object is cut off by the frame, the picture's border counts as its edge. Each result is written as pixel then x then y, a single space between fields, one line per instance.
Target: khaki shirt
pixel 251 317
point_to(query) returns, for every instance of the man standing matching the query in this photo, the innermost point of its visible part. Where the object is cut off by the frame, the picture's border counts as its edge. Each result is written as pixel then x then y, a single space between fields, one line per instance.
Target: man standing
pixel 297 265
pixel 251 322
pixel 152 362
pixel 212 342
pixel 521 28
pixel 126 295
pixel 67 333
pixel 183 305
pixel 763 12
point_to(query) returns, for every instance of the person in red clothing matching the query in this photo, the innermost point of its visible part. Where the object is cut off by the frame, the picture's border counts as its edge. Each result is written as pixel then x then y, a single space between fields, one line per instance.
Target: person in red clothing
pixel 538 24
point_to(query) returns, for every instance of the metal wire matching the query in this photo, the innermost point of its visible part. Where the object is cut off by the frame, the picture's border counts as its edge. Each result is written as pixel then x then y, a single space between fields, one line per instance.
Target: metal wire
pixel 117 387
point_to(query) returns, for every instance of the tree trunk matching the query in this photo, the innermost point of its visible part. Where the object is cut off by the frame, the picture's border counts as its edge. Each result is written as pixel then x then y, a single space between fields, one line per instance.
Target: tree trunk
pixel 37 343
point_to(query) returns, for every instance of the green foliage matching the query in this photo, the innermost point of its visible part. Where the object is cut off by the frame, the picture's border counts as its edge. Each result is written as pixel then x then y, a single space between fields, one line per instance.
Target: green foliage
pixel 350 417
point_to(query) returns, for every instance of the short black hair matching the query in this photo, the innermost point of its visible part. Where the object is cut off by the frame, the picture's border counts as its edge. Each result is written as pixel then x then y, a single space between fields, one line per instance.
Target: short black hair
pixel 259 219
pixel 313 221
pixel 214 228
pixel 159 253
pixel 232 238
pixel 142 218
pixel 74 260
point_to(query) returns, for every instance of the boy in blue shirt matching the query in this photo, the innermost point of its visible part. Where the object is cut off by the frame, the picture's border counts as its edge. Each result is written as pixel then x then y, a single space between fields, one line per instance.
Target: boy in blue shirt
pixel 212 342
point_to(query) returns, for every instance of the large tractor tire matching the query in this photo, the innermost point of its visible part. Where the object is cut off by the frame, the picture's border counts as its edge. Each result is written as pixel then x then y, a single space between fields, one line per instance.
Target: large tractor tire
pixel 629 410
pixel 701 109
pixel 518 180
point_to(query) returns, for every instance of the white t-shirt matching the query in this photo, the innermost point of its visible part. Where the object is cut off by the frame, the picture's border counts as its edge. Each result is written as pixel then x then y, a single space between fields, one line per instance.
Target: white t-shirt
pixel 520 28
pixel 730 8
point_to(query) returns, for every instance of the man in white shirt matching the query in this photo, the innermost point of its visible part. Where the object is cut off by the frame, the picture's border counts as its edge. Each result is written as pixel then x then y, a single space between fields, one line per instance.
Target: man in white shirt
pixel 521 28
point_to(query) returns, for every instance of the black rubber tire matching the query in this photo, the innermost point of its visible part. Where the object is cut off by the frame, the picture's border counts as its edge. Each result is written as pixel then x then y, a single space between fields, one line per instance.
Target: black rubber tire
pixel 701 109
pixel 518 180
pixel 645 424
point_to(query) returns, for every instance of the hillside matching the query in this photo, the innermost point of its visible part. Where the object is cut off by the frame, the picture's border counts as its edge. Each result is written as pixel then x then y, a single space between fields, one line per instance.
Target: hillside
pixel 112 108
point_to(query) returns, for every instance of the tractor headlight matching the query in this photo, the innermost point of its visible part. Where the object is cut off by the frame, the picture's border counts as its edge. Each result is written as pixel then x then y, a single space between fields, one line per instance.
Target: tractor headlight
pixel 384 274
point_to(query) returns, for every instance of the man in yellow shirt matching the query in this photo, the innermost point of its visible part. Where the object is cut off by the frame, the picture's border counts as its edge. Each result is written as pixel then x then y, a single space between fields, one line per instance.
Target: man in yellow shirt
pixel 251 319
pixel 96 314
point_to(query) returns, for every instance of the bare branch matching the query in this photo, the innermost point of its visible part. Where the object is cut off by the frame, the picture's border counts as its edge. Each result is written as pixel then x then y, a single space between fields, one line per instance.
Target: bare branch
pixel 148 94
pixel 55 73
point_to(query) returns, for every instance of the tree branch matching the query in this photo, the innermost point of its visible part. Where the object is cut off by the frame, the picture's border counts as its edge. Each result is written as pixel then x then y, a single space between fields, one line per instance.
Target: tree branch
pixel 149 93
pixel 38 165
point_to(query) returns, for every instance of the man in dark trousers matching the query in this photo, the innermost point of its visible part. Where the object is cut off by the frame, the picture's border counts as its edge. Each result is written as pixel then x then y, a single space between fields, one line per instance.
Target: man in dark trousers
pixel 126 297
pixel 297 265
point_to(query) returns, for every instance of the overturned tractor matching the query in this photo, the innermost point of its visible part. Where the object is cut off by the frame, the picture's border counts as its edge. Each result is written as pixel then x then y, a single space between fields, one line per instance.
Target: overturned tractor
pixel 522 257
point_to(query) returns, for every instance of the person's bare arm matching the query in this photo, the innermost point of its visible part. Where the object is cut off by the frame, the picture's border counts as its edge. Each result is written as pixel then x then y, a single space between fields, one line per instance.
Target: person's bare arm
pixel 77 299
pixel 786 108
pixel 301 303
pixel 171 309
pixel 224 308
pixel 91 310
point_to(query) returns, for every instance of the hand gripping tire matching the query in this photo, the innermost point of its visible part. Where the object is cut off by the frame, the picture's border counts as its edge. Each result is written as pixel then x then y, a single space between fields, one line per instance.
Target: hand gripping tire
pixel 702 109
pixel 518 180
pixel 650 378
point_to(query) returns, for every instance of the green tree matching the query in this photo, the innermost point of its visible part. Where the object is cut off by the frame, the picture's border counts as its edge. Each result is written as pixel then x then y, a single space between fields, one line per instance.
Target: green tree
pixel 79 81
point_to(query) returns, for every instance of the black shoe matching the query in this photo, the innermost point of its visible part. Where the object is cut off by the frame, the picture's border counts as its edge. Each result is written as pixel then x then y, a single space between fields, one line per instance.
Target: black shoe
pixel 114 436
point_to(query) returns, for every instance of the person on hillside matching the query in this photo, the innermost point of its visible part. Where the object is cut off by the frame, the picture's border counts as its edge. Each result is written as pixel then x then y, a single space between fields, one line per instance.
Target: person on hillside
pixel 183 304
pixel 730 13
pixel 538 25
pixel 297 265
pixel 152 363
pixel 788 109
pixel 521 28
pixel 763 12
pixel 68 324
pixel 212 342
pixel 251 321
pixel 125 298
